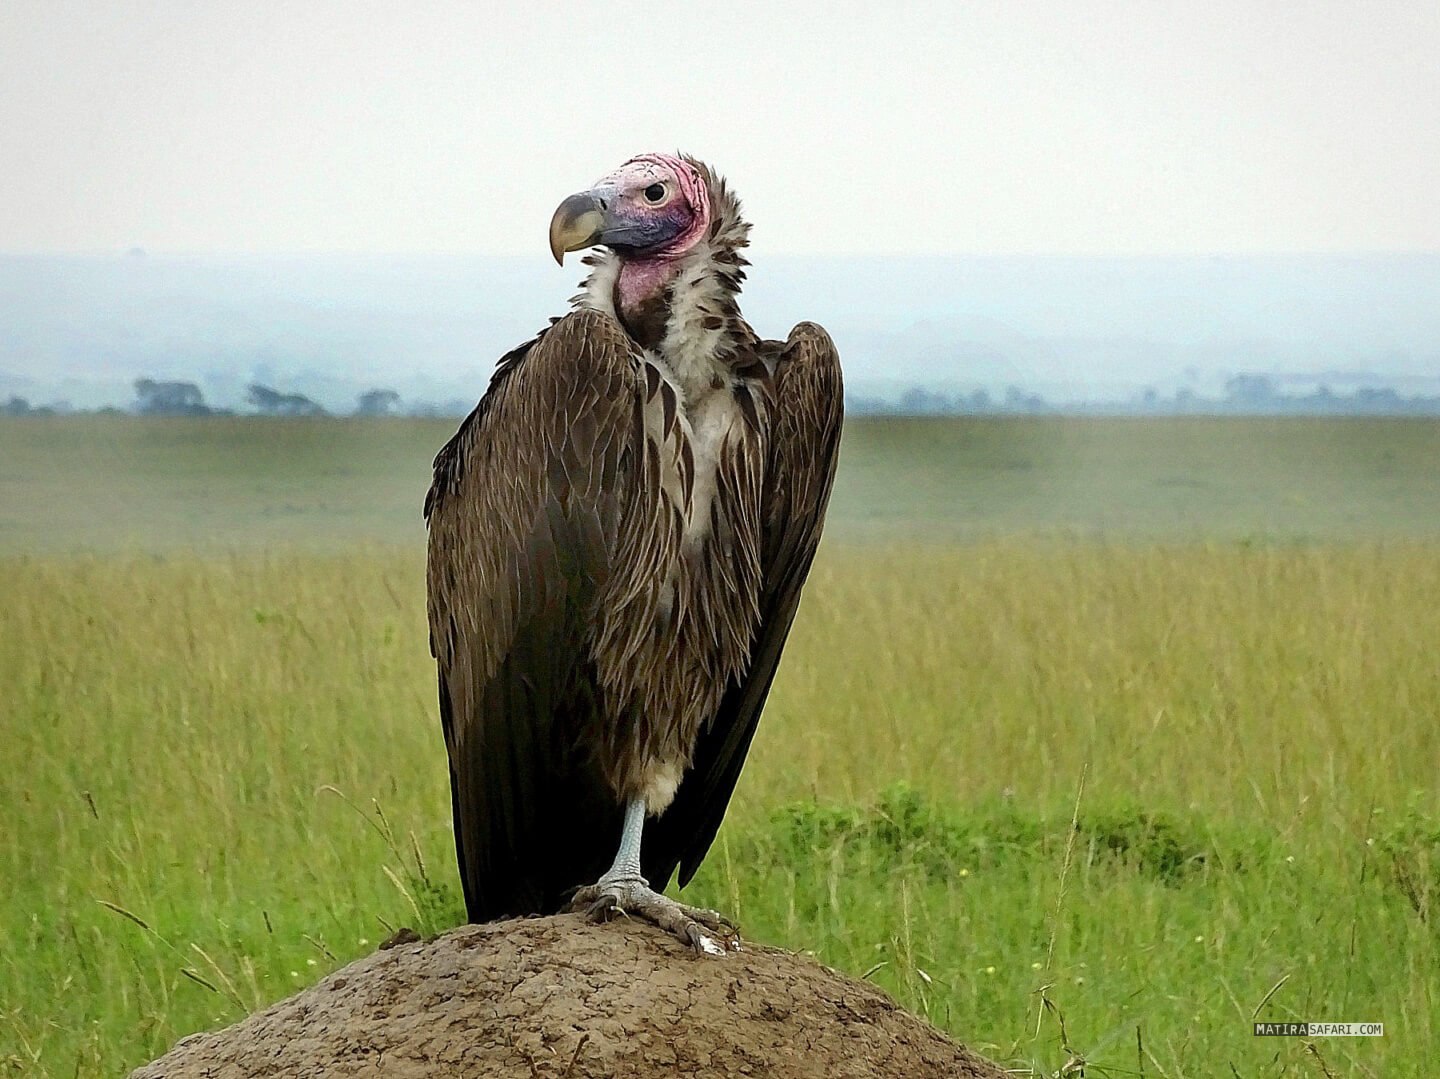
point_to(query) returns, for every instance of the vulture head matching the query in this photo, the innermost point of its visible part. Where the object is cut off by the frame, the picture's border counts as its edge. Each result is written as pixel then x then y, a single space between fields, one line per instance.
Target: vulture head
pixel 655 207
pixel 669 233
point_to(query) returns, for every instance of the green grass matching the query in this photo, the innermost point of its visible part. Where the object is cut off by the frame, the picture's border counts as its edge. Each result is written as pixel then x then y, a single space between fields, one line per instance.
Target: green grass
pixel 98 484
pixel 1148 782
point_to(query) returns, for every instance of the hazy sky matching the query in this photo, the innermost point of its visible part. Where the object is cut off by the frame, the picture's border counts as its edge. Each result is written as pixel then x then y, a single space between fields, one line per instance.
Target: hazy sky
pixel 1218 126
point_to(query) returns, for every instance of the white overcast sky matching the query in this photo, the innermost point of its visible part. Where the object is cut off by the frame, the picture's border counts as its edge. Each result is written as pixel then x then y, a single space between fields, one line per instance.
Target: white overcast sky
pixel 1140 127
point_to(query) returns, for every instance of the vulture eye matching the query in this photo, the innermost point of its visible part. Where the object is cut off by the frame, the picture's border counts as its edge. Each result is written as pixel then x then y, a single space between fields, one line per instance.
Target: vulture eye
pixel 655 193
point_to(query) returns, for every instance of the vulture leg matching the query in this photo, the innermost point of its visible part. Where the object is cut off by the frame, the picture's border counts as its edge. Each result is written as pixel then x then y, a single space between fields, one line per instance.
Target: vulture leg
pixel 622 890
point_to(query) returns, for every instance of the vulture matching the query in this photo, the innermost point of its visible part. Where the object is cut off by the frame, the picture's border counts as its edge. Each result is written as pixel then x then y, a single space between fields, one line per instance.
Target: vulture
pixel 618 536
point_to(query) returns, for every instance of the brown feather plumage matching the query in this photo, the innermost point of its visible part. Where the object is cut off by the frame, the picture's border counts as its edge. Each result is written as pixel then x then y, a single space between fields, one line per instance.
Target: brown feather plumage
pixel 605 612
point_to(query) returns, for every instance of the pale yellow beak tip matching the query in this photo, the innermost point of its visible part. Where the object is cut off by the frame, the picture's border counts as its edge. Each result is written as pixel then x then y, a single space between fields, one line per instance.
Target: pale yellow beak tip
pixel 578 223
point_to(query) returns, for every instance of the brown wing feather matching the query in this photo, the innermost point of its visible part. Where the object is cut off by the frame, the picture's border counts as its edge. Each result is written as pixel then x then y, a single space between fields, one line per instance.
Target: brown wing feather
pixel 807 410
pixel 525 516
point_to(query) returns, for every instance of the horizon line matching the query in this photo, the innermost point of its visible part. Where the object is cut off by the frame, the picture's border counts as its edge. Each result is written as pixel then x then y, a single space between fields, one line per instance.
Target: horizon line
pixel 139 252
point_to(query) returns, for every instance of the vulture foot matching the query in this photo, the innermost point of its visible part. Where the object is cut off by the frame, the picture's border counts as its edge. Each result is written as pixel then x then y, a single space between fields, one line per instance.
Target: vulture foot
pixel 707 931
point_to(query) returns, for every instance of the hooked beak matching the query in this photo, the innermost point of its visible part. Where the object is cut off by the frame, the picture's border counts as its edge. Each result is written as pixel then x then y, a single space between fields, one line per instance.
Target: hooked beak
pixel 578 223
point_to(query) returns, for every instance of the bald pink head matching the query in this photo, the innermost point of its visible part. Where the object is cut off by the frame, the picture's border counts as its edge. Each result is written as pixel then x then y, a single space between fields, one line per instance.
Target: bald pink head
pixel 654 206
pixel 659 196
pixel 651 211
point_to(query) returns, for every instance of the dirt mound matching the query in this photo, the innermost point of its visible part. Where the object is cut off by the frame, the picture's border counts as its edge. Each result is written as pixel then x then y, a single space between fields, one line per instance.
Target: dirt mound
pixel 561 999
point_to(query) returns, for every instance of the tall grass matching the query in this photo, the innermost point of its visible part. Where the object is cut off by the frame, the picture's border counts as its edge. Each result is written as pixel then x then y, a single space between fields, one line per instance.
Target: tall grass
pixel 223 777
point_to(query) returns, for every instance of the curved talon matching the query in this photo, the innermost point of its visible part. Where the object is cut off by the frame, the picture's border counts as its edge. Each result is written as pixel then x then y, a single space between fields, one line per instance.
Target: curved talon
pixel 602 908
pixel 700 942
pixel 707 932
pixel 718 924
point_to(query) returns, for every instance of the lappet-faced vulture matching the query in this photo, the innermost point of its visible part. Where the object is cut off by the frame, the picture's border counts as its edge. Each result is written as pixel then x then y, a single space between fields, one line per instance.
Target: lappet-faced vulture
pixel 618 537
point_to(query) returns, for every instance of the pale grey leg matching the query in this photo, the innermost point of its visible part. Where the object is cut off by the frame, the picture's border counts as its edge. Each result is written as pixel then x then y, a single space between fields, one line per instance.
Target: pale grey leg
pixel 627 858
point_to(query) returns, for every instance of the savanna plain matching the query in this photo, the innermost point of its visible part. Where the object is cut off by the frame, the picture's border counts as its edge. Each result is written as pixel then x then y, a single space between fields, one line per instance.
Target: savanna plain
pixel 1095 740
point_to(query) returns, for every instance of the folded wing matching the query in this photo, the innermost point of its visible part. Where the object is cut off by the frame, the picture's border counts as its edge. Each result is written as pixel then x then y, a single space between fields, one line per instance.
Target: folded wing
pixel 804 440
pixel 526 514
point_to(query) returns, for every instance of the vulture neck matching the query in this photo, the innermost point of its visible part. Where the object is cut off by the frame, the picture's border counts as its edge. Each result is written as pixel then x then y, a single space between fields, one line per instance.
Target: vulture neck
pixel 685 312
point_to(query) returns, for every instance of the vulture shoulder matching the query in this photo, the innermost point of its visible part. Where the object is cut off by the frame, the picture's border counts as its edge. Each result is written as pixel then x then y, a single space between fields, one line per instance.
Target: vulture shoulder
pixel 803 445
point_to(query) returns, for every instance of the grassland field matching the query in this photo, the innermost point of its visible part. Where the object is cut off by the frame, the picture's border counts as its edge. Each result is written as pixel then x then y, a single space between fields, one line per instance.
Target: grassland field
pixel 1095 740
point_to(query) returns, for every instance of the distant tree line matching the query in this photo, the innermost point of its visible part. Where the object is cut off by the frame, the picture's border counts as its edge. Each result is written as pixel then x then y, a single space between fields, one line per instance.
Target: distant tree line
pixel 378 403
pixel 159 398
pixel 919 401
pixel 154 398
pixel 270 402
pixel 1244 394
pixel 1262 394
pixel 19 406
